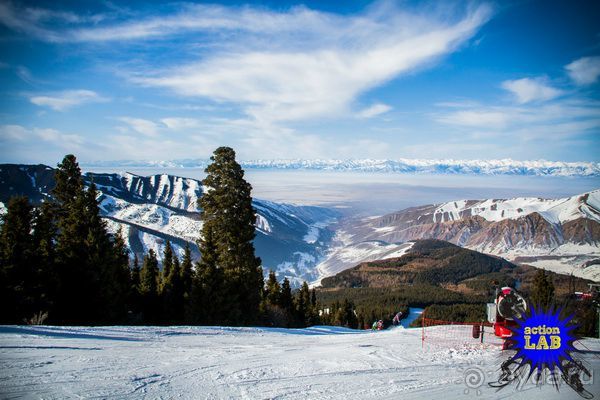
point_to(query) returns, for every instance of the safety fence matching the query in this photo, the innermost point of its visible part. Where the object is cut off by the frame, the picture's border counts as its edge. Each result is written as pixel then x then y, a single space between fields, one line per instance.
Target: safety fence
pixel 441 333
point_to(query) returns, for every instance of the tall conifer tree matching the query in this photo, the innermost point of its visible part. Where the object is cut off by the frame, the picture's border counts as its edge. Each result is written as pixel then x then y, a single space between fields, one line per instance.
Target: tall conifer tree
pixel 228 216
pixel 16 258
pixel 149 276
pixel 187 272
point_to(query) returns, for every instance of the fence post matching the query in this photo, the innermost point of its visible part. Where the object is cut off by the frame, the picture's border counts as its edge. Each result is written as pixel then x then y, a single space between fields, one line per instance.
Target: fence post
pixel 423 328
pixel 482 330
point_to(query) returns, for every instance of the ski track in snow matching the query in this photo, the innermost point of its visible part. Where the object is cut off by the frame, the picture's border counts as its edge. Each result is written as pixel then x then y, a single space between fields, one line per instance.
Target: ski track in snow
pixel 247 363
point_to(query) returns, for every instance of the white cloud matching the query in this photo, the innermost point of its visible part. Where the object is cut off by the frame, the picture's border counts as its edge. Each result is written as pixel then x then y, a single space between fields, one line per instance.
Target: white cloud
pixel 527 90
pixel 64 100
pixel 477 118
pixel 180 123
pixel 563 119
pixel 143 126
pixel 327 63
pixel 584 71
pixel 374 110
pixel 13 132
pixel 57 137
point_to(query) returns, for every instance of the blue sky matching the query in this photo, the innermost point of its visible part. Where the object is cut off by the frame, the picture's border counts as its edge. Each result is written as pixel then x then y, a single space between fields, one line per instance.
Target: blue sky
pixel 435 80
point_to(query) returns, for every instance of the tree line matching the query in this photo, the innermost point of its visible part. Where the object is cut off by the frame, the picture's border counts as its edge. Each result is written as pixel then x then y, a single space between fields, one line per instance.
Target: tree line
pixel 60 265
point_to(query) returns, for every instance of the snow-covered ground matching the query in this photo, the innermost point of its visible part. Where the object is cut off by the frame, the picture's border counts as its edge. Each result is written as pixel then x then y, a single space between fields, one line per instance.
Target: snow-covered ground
pixel 252 363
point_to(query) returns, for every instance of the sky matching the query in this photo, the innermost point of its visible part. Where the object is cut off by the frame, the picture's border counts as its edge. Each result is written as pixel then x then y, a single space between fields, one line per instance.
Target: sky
pixel 276 80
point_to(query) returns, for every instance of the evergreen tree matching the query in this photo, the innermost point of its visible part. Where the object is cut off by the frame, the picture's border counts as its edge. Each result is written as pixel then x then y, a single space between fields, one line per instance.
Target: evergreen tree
pixel 46 279
pixel 542 293
pixel 167 263
pixel 82 248
pixel 228 216
pixel 172 295
pixel 134 289
pixel 303 309
pixel 116 285
pixel 149 276
pixel 187 273
pixel 104 264
pixel 16 257
pixel 273 290
pixel 207 302
pixel 286 298
pixel 69 183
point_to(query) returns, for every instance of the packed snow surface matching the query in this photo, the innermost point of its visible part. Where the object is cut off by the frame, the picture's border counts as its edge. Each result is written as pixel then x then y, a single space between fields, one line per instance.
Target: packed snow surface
pixel 252 363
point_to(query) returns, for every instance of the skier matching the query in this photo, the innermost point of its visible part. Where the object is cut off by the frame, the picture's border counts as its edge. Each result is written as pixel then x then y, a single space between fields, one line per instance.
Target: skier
pixel 397 318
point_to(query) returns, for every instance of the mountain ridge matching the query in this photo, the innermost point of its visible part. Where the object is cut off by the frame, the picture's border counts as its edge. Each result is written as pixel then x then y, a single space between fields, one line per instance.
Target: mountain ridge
pixel 403 165
pixel 150 210
pixel 562 235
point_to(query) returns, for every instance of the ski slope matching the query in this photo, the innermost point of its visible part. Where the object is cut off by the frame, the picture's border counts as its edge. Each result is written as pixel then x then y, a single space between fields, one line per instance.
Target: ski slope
pixel 248 363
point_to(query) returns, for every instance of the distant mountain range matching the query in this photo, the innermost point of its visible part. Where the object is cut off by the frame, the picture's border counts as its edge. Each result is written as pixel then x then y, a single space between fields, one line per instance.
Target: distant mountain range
pixel 153 209
pixel 306 243
pixel 562 235
pixel 479 167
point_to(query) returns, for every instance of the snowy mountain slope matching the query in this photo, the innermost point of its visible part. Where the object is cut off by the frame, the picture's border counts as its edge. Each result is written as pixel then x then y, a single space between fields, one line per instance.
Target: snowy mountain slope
pixel 479 167
pixel 341 257
pixel 562 235
pixel 257 363
pixel 152 209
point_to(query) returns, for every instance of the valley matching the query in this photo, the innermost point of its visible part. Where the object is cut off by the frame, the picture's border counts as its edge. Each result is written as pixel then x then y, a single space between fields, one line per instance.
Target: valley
pixel 310 242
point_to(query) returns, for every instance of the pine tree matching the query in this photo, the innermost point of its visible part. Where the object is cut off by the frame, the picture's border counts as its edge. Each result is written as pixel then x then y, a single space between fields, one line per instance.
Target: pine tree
pixel 273 290
pixel 116 283
pixel 227 215
pixel 286 295
pixel 16 259
pixel 134 289
pixel 167 263
pixel 187 273
pixel 149 276
pixel 104 264
pixel 303 305
pixel 46 279
pixel 69 183
pixel 542 293
pixel 82 248
pixel 207 300
pixel 173 295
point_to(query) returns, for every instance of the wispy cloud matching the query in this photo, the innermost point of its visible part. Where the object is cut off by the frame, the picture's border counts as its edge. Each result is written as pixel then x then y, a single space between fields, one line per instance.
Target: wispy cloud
pixel 180 123
pixel 527 90
pixel 561 120
pixel 374 110
pixel 319 64
pixel 55 136
pixel 64 100
pixel 584 71
pixel 143 126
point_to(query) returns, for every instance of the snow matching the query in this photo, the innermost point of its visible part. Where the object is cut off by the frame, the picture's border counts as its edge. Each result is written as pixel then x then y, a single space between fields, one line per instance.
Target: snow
pixel 262 223
pixel 347 256
pixel 314 230
pixel 402 165
pixel 250 363
pixel 553 210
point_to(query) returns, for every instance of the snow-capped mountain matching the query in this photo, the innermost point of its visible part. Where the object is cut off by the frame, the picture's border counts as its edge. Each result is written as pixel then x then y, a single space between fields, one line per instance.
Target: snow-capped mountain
pixel 153 209
pixel 403 165
pixel 562 235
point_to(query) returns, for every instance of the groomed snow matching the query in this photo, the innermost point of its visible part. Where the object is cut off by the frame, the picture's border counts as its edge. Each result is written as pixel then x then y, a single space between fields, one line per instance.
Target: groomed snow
pixel 251 363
